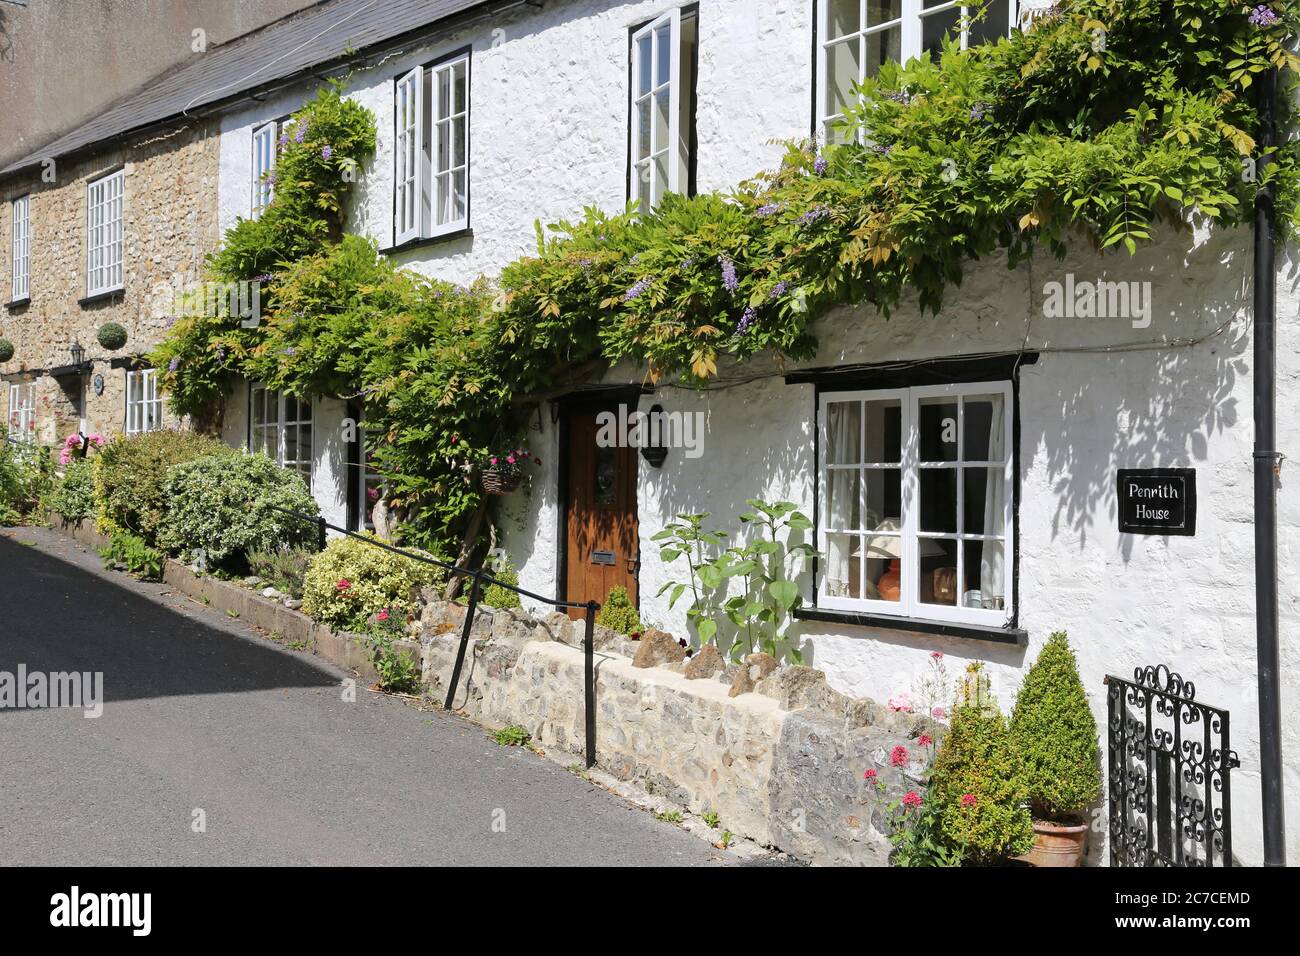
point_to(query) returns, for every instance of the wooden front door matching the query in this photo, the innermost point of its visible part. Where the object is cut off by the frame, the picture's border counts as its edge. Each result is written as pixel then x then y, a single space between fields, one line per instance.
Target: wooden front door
pixel 601 543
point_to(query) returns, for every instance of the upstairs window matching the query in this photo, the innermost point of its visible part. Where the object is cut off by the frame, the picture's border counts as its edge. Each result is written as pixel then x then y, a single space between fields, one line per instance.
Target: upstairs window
pixel 143 402
pixel 431 150
pixel 280 428
pixel 856 36
pixel 915 513
pixel 662 106
pixel 22 248
pixel 263 163
pixel 22 412
pixel 104 234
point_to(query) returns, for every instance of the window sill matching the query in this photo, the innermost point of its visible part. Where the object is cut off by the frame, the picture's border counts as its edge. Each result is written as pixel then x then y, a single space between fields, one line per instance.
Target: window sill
pixel 974 632
pixel 17 304
pixel 466 233
pixel 98 297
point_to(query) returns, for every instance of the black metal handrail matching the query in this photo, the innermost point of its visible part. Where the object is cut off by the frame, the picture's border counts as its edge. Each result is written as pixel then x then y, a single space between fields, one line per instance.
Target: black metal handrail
pixel 478 575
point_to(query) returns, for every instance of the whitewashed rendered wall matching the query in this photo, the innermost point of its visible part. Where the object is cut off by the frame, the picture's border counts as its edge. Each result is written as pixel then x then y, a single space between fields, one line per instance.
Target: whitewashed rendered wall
pixel 549 135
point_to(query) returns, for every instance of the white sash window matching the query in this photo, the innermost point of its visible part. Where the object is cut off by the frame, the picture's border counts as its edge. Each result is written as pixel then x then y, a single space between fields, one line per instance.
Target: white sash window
pixel 22 248
pixel 104 234
pixel 663 64
pixel 280 428
pixel 264 150
pixel 143 402
pixel 22 411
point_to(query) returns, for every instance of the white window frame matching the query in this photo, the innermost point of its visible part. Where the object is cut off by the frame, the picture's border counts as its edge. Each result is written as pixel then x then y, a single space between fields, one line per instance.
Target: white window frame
pixel 105 198
pixel 912 13
pixel 368 478
pixel 264 156
pixel 909 605
pixel 444 127
pixel 410 157
pixel 21 248
pixel 645 166
pixel 22 406
pixel 270 435
pixel 144 404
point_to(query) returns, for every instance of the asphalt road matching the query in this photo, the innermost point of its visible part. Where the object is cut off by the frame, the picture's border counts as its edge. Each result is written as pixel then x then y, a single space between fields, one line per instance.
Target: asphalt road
pixel 202 714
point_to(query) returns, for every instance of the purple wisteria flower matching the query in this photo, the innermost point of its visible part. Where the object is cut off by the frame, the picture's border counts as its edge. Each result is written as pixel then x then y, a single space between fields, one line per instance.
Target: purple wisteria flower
pixel 814 214
pixel 821 165
pixel 284 138
pixel 636 290
pixel 746 320
pixel 977 111
pixel 264 277
pixel 174 364
pixel 300 133
pixel 1263 16
pixel 729 274
pixel 880 149
pixel 769 209
pixel 289 351
pixel 221 353
pixel 688 262
pixel 778 290
pixel 327 152
pixel 901 96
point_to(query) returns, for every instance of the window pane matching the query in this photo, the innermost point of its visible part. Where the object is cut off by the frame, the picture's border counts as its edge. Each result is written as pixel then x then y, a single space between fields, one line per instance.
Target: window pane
pixel 884 432
pixel 988 23
pixel 985 574
pixel 660 183
pixel 458 141
pixel 935 27
pixel 460 88
pixel 458 196
pixel 662 114
pixel 444 94
pixel 882 11
pixel 985 500
pixel 882 46
pixel 983 428
pixel 844 433
pixel 842 574
pixel 937 429
pixel 663 54
pixel 844 499
pixel 883 503
pixel 645 61
pixel 843 71
pixel 880 556
pixel 938 505
pixel 842 18
pixel 937 571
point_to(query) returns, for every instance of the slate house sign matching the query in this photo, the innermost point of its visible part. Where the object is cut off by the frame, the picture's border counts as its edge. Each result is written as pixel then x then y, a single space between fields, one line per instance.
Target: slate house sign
pixel 1157 500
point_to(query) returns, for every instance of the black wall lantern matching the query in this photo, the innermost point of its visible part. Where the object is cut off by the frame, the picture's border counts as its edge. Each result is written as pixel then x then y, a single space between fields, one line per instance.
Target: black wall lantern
pixel 655 454
pixel 77 352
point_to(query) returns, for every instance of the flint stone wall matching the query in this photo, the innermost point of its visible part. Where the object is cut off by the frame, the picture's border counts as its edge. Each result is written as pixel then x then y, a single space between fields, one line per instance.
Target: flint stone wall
pixel 782 764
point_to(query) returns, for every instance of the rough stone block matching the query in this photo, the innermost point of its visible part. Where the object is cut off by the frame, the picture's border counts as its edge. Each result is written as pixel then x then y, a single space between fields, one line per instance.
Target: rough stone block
pixel 707 662
pixel 756 667
pixel 794 687
pixel 656 648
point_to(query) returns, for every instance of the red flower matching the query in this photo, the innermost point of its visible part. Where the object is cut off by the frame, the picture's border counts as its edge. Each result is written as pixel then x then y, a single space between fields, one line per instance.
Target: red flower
pixel 899 756
pixel 382 615
pixel 925 740
pixel 870 775
pixel 937 655
pixel 344 584
pixel 968 799
pixel 912 799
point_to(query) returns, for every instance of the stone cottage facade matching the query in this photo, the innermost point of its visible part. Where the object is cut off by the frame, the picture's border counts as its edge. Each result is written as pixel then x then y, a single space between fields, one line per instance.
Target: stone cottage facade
pixel 101 236
pixel 962 470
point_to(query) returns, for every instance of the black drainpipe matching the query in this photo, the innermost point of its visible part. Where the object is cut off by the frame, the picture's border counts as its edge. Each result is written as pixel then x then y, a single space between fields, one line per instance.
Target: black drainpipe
pixel 1267 467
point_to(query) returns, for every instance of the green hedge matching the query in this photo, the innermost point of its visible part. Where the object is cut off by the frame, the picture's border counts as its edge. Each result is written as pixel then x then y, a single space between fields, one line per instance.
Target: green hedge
pixel 130 473
pixel 351 581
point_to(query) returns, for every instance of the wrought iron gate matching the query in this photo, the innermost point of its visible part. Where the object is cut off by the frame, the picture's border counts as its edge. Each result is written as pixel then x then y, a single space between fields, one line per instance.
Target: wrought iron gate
pixel 1167 774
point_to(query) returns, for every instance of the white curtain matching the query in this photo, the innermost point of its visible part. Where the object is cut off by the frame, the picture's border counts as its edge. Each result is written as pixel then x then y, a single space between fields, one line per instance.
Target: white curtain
pixel 993 555
pixel 842 434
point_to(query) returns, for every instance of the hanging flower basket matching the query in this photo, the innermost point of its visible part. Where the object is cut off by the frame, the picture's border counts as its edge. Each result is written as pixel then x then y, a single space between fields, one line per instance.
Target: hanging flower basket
pixel 501 483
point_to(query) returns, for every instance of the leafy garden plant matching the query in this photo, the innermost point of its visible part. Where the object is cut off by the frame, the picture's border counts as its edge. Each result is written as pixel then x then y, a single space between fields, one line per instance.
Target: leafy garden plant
pixel 131 473
pixel 26 475
pixel 397 669
pixel 73 495
pixel 131 553
pixel 351 581
pixel 618 613
pixel 1054 736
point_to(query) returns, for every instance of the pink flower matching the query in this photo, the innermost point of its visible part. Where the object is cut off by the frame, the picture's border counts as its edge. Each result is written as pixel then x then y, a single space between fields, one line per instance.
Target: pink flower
pixel 901 702
pixel 937 712
pixel 344 585
pixel 382 615
pixel 925 740
pixel 968 799
pixel 912 800
pixel 63 458
pixel 97 441
pixel 510 460
pixel 870 775
pixel 899 756
pixel 494 461
pixel 936 655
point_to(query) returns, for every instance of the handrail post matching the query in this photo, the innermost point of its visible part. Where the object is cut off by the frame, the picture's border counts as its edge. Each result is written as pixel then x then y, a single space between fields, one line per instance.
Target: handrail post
pixel 589 682
pixel 322 533
pixel 464 641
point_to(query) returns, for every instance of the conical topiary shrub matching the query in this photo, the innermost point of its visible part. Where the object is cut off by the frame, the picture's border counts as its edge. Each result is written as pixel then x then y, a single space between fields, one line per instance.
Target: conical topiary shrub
pixel 1055 736
pixel 975 783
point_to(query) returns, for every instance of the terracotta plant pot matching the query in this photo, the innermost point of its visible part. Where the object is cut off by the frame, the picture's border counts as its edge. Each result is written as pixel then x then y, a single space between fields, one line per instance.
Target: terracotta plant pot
pixel 500 483
pixel 1057 844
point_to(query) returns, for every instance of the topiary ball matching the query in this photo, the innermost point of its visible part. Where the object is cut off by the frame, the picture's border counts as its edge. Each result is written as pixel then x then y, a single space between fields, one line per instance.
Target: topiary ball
pixel 112 336
pixel 6 350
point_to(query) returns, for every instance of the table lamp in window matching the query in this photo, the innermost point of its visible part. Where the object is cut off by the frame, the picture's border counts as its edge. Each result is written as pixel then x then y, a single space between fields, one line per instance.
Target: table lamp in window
pixel 887 545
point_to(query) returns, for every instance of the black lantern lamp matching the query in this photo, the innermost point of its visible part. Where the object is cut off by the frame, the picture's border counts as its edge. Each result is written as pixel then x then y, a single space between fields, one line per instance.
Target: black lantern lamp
pixel 77 352
pixel 655 454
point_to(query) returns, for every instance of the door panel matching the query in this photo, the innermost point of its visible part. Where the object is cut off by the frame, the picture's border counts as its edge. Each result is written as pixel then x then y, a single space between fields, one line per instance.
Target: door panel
pixel 602 547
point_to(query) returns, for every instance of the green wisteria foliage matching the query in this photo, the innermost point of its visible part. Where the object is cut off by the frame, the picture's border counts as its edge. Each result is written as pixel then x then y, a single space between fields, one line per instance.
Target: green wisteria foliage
pixel 1102 121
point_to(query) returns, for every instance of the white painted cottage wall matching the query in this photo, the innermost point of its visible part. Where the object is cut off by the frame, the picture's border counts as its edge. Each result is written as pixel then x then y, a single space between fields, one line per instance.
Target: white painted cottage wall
pixel 549 135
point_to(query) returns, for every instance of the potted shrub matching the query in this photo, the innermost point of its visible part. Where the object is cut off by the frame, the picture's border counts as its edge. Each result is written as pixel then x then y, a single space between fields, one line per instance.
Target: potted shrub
pixel 974 780
pixel 1055 740
pixel 505 470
